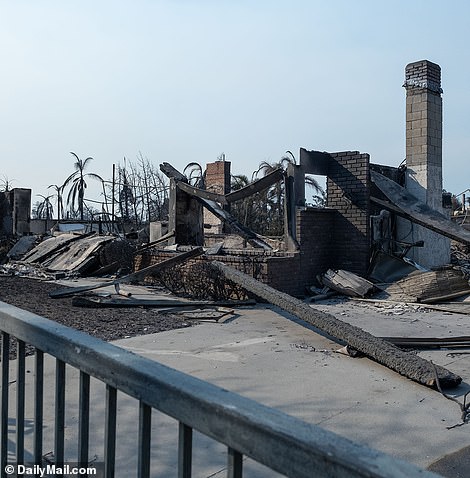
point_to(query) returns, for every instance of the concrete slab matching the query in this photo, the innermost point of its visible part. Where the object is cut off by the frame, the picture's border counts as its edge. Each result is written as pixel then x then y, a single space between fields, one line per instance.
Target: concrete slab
pixel 269 356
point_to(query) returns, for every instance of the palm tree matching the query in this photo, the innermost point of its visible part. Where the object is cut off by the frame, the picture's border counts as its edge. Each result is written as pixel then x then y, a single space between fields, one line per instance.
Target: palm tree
pixel 44 208
pixel 59 190
pixel 77 179
pixel 196 175
pixel 126 196
pixel 273 198
pixel 243 209
pixel 5 184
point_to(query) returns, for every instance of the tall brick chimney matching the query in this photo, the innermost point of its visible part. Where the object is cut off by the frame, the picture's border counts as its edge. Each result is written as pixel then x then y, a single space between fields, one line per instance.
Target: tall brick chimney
pixel 424 154
pixel 424 132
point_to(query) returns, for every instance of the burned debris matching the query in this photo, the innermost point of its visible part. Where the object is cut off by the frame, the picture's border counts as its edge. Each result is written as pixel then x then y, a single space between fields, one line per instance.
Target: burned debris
pixel 382 234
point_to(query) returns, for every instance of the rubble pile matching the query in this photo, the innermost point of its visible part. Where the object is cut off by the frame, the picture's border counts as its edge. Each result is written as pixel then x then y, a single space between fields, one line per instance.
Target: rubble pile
pixel 460 257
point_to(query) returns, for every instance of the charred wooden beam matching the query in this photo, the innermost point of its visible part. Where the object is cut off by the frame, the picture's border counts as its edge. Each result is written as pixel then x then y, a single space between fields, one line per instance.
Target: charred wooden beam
pixel 139 275
pixel 106 302
pixel 164 238
pixel 256 186
pixel 315 162
pixel 405 363
pixel 169 171
pixel 290 200
pixel 406 205
pixel 201 193
pixel 421 221
pixel 430 342
pixel 237 227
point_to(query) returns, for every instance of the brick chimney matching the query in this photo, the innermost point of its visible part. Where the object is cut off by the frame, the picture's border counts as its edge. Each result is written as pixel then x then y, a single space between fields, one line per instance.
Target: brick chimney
pixel 424 154
pixel 217 181
pixel 424 132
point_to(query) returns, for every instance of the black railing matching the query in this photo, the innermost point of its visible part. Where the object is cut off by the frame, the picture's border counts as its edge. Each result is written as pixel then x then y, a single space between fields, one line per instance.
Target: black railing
pixel 279 441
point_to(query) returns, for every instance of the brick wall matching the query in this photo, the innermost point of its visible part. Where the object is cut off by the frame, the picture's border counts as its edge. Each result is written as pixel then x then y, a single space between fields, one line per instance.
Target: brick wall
pixel 286 271
pixel 336 237
pixel 280 270
pixel 348 192
pixel 218 177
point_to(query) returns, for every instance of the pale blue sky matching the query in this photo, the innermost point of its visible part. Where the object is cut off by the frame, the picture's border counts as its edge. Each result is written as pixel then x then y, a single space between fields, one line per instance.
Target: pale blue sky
pixel 184 81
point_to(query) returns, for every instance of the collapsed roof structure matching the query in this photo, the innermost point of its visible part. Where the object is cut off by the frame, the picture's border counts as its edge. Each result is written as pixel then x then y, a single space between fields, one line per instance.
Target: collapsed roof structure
pixel 372 211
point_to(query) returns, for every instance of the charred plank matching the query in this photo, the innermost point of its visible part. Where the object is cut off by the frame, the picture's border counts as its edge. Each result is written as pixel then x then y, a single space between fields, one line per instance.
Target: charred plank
pixel 201 193
pixel 177 259
pixel 406 205
pixel 256 186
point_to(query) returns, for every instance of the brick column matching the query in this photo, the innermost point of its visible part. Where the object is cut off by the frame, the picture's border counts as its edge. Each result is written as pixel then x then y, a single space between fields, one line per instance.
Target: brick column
pixel 424 132
pixel 424 155
pixel 217 181
pixel 348 191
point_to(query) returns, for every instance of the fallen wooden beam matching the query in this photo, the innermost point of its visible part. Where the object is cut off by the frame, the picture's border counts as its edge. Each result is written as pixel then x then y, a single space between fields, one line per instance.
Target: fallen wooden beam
pixel 95 302
pixel 240 229
pixel 169 171
pixel 406 205
pixel 405 363
pixel 165 237
pixel 177 259
pixel 257 186
pixel 201 193
pixel 430 342
pixel 443 298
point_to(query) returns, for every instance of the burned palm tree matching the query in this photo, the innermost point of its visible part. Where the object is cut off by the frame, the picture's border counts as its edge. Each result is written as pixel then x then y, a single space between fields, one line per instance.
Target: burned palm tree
pixel 243 210
pixel 44 209
pixel 275 196
pixel 76 194
pixel 59 190
pixel 195 175
pixel 5 184
pixel 126 196
pixel 272 199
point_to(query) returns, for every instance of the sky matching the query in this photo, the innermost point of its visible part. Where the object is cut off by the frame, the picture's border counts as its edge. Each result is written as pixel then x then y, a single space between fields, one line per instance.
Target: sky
pixel 183 81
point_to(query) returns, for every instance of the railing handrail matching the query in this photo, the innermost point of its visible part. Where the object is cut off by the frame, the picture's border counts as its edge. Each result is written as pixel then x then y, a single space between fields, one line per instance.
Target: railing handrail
pixel 281 442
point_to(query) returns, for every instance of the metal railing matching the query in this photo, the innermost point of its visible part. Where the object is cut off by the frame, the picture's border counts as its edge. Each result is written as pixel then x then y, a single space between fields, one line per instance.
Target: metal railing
pixel 279 441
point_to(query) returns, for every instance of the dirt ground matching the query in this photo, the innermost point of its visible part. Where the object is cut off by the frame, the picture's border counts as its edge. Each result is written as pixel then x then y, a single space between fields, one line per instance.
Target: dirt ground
pixel 106 324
